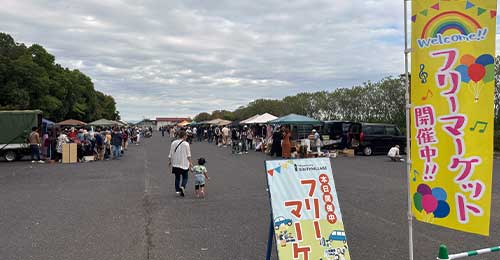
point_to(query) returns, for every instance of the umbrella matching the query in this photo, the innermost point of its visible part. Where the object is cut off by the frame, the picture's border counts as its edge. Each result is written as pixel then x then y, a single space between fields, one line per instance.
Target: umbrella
pixel 294 119
pixel 71 122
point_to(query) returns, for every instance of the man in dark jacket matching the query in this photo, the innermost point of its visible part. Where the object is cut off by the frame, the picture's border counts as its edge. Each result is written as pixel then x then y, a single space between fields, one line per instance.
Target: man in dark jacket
pixel 116 142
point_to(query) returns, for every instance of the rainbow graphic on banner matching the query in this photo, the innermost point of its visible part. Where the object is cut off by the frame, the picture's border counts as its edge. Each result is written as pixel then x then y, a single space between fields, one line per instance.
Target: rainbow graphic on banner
pixel 451 20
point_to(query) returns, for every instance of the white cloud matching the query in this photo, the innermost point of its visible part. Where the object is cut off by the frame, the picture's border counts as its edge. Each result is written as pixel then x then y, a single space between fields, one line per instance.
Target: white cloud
pixel 179 58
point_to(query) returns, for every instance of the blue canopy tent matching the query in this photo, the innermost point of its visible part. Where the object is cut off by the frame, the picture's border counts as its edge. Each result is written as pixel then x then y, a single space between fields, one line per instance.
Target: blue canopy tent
pixel 294 119
pixel 46 124
pixel 306 124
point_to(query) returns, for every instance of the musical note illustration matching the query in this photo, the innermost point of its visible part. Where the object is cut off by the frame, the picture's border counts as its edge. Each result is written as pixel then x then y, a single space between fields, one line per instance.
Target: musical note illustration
pixel 422 75
pixel 415 173
pixel 482 126
pixel 429 92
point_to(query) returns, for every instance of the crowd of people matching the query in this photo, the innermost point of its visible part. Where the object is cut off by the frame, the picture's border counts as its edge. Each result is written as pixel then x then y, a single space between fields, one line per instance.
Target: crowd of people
pixel 273 140
pixel 92 144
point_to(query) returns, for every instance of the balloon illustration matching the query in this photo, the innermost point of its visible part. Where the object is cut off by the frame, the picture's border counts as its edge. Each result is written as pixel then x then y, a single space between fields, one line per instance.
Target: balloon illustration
pixel 442 210
pixel 463 72
pixel 439 193
pixel 490 73
pixel 467 60
pixel 485 60
pixel 475 72
pixel 431 201
pixel 417 201
pixel 424 189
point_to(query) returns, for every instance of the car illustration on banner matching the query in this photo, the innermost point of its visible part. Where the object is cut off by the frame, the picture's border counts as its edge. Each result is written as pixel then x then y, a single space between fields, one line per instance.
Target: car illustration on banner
pixel 337 235
pixel 281 221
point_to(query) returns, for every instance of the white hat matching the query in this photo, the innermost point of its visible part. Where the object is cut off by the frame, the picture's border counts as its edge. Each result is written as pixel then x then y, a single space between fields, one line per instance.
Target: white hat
pixel 314 130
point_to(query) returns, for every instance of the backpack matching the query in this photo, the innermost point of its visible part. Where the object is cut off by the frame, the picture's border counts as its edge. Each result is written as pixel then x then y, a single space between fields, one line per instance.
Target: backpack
pixel 98 139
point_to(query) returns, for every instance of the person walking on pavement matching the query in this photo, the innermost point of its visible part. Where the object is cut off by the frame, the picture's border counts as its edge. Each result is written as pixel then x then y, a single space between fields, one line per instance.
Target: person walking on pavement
pixel 124 140
pixel 180 160
pixel 116 141
pixel 225 136
pixel 217 136
pixel 99 144
pixel 249 139
pixel 35 143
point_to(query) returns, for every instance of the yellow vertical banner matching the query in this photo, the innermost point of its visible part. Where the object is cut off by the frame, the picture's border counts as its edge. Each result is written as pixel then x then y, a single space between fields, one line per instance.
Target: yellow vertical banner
pixel 452 92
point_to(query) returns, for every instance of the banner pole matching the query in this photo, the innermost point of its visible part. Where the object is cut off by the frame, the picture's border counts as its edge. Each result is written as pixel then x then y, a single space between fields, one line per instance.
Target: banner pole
pixel 408 139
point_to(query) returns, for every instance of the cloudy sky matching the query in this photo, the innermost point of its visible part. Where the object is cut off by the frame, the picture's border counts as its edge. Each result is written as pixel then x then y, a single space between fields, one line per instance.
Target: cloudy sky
pixel 179 58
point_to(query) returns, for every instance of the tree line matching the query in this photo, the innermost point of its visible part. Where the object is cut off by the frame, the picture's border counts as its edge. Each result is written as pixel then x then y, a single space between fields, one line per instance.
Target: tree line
pixel 30 79
pixel 381 101
pixel 374 102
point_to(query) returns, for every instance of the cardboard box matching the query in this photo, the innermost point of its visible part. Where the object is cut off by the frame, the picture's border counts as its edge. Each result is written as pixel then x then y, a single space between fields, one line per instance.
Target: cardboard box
pixel 69 153
pixel 88 158
pixel 348 152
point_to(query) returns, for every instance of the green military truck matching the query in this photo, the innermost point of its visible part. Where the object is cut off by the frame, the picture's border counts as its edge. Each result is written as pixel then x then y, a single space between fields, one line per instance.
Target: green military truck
pixel 15 127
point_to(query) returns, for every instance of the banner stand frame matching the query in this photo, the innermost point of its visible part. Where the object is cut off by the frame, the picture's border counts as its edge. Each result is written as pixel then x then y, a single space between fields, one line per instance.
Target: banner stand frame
pixel 408 139
pixel 270 239
pixel 271 221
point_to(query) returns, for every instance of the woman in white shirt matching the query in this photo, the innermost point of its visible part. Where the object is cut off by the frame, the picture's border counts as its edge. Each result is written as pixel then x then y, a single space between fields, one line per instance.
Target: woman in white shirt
pixel 180 160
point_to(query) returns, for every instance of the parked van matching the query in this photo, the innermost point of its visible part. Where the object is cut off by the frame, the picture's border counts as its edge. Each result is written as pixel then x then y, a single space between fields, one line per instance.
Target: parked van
pixel 337 133
pixel 15 127
pixel 374 138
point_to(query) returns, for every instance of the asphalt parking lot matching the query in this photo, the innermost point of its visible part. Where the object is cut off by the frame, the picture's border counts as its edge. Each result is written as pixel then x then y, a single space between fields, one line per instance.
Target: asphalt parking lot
pixel 128 209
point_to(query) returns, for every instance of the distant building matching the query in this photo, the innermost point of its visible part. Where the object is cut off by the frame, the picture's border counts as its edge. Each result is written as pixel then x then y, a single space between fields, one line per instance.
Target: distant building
pixel 169 121
pixel 147 123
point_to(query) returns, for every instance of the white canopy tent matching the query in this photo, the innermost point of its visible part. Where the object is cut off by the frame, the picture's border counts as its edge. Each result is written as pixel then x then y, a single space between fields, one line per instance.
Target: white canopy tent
pixel 249 119
pixel 262 119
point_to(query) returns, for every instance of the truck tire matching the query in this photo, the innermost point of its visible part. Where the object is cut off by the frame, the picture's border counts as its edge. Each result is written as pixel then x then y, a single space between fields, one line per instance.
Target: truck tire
pixel 367 151
pixel 10 155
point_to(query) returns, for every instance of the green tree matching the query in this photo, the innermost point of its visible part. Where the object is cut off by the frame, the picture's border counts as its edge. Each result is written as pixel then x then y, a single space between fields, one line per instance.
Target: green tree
pixel 497 92
pixel 30 79
pixel 202 117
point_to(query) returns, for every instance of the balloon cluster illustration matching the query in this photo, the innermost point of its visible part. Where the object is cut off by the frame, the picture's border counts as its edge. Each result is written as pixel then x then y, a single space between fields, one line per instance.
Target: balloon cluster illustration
pixel 479 70
pixel 431 201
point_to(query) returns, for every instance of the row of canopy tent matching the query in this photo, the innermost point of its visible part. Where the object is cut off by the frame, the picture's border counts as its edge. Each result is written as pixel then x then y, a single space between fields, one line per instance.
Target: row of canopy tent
pixel 259 119
pixel 266 118
pixel 291 119
pixel 100 122
pixel 217 121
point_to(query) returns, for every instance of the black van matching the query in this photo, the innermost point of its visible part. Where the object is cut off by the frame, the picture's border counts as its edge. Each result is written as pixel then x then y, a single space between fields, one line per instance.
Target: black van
pixel 336 131
pixel 374 138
